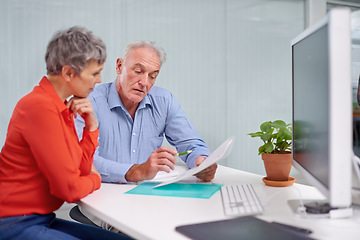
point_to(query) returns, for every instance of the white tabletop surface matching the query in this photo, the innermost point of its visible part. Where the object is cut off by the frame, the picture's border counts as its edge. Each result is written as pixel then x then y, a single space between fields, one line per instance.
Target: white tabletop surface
pixel 155 217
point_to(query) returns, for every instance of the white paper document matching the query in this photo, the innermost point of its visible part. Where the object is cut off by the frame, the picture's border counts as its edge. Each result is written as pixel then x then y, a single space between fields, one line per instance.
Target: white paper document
pixel 221 152
pixel 162 176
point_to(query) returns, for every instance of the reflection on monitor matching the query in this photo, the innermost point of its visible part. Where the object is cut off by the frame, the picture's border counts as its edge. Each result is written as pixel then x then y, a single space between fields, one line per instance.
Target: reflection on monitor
pixel 322 113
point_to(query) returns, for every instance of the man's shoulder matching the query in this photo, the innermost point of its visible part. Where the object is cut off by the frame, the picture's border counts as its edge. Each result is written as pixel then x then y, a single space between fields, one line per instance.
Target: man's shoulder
pixel 162 98
pixel 160 92
pixel 101 90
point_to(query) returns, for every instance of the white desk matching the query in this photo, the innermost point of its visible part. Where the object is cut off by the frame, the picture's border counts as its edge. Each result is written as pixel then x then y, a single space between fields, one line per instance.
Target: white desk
pixel 155 217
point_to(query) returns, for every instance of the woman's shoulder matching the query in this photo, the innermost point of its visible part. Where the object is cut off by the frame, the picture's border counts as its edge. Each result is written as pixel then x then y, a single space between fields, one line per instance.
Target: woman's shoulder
pixel 37 102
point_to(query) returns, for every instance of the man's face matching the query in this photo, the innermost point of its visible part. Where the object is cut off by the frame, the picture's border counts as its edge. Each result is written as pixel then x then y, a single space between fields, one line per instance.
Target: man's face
pixel 137 74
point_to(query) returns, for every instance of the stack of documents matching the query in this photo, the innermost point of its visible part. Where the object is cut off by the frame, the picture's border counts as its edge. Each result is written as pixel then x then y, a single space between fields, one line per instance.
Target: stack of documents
pixel 170 186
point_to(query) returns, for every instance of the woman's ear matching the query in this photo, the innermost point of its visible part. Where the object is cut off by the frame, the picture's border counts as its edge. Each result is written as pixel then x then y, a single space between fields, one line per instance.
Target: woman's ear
pixel 67 72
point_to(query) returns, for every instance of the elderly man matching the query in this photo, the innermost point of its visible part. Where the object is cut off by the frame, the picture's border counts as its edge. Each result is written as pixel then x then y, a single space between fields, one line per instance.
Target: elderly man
pixel 134 115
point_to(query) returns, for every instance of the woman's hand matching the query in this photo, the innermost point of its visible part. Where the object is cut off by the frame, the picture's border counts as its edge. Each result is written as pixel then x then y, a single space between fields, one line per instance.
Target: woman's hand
pixel 83 107
pixel 95 171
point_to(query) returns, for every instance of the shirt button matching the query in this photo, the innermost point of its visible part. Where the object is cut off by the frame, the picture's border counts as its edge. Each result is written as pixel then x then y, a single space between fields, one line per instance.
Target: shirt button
pixel 133 150
pixel 134 134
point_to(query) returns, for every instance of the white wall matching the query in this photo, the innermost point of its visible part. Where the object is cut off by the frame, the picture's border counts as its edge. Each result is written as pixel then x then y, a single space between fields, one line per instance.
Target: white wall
pixel 228 60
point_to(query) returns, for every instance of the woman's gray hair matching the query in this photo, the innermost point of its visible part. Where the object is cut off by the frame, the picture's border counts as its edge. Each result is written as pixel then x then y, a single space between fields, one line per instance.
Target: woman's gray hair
pixel 140 44
pixel 75 47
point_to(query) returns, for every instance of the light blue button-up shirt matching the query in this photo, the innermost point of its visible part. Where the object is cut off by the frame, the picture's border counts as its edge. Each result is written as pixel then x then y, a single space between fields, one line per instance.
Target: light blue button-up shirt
pixel 124 141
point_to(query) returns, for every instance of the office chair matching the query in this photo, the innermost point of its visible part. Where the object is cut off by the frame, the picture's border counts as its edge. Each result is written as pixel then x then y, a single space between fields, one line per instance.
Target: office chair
pixel 79 217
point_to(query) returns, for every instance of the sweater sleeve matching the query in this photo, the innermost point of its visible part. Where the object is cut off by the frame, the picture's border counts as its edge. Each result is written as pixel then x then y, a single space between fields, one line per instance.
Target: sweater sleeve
pixel 61 159
pixel 88 144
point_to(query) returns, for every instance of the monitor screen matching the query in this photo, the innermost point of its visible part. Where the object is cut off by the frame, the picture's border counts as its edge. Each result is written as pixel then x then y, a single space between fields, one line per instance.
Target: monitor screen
pixel 322 113
pixel 311 108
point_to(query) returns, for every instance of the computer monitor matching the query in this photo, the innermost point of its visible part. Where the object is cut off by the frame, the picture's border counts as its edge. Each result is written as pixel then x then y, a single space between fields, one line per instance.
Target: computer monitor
pixel 321 110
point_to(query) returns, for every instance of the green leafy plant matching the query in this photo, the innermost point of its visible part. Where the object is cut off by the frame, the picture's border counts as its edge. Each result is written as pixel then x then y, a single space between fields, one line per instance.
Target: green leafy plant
pixel 276 137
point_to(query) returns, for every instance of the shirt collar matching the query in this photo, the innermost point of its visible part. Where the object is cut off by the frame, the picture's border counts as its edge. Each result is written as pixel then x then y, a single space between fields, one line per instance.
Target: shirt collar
pixel 144 102
pixel 114 99
pixel 50 90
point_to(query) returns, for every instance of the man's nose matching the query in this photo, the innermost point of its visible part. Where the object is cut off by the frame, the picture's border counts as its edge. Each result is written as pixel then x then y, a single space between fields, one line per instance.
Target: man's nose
pixel 144 79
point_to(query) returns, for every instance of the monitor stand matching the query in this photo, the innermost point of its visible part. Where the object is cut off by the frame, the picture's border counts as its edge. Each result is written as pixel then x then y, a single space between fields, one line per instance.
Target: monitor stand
pixel 355 197
pixel 319 208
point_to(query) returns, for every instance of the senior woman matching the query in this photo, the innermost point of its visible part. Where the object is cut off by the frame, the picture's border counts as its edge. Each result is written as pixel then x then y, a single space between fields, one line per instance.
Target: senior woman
pixel 42 163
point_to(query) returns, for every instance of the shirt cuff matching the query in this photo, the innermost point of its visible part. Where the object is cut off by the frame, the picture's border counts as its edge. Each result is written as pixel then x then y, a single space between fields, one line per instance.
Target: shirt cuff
pixel 191 158
pixel 93 136
pixel 96 180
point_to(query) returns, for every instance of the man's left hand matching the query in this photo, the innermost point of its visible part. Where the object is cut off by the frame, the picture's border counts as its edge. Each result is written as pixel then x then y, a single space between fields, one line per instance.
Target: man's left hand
pixel 208 173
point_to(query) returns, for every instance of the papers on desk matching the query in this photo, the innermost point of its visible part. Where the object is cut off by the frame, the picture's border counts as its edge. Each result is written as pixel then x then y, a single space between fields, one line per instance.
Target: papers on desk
pixel 221 152
pixel 162 176
pixel 186 190
pixel 190 190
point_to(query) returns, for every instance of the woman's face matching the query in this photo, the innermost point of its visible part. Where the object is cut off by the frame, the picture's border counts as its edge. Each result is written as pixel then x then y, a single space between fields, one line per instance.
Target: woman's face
pixel 84 83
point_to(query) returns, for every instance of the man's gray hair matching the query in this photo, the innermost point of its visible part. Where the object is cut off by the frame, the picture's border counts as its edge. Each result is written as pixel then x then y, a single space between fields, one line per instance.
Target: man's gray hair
pixel 146 44
pixel 75 47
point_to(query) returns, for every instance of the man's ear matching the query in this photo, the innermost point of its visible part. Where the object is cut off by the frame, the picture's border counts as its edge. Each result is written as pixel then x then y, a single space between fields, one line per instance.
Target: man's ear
pixel 67 72
pixel 119 65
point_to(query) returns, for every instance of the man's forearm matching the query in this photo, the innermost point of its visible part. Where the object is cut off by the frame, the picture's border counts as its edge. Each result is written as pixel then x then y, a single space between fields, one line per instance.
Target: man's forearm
pixel 134 174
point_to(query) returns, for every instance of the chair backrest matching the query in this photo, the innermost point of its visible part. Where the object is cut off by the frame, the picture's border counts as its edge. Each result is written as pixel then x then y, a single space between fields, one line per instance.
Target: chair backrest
pixel 76 214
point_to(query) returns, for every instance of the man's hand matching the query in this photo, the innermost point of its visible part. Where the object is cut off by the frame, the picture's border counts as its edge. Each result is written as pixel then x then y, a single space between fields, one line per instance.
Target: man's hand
pixel 208 173
pixel 83 107
pixel 162 159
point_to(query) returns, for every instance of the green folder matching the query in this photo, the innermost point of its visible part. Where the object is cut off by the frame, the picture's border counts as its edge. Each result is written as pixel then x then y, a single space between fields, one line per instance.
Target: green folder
pixel 188 190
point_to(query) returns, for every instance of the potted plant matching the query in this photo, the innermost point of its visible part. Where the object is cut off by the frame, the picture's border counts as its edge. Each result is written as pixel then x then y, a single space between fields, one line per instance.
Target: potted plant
pixel 276 150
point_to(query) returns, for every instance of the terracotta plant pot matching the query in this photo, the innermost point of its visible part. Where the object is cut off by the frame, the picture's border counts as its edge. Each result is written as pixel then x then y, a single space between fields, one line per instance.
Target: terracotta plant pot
pixel 277 166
